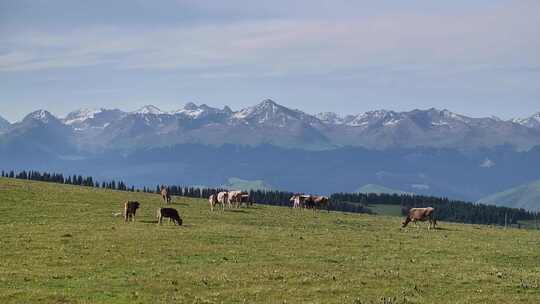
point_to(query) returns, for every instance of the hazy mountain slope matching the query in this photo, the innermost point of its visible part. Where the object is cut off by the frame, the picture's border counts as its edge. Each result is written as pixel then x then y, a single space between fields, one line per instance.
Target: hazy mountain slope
pixel 41 132
pixel 4 124
pixel 442 172
pixel 526 196
pixel 373 188
pixel 235 183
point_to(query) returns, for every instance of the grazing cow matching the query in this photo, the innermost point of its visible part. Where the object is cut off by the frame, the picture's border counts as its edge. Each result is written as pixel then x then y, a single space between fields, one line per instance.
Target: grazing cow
pixel 165 194
pixel 238 197
pixel 213 199
pixel 420 214
pixel 130 208
pixel 171 213
pixel 223 198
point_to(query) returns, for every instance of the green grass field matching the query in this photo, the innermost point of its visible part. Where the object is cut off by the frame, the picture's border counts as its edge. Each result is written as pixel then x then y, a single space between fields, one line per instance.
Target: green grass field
pixel 381 209
pixel 61 244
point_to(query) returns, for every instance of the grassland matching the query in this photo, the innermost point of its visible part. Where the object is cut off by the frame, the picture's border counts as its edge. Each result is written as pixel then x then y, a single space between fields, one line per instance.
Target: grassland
pixel 382 209
pixel 61 244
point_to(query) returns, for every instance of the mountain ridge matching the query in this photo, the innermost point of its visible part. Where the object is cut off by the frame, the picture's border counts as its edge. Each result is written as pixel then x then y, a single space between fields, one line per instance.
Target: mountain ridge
pixel 271 123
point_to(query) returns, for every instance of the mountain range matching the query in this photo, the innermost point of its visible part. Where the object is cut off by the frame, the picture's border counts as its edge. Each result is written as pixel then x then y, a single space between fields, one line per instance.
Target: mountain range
pixel 268 123
pixel 430 152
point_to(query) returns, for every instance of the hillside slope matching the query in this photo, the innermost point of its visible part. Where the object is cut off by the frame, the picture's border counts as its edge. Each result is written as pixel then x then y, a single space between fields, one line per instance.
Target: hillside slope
pixel 526 196
pixel 62 244
pixel 378 189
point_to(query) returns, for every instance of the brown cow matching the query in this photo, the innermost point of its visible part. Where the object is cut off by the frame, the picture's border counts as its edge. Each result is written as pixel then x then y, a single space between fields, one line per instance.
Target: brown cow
pixel 213 199
pixel 165 194
pixel 130 208
pixel 420 214
pixel 171 213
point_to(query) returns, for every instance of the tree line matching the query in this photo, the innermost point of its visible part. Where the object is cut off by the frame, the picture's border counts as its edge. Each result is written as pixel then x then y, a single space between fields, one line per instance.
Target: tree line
pixel 447 210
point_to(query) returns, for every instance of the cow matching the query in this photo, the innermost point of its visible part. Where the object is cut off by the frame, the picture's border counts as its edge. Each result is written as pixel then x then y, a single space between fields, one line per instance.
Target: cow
pixel 213 199
pixel 298 200
pixel 321 202
pixel 420 214
pixel 165 194
pixel 223 198
pixel 238 197
pixel 130 208
pixel 171 213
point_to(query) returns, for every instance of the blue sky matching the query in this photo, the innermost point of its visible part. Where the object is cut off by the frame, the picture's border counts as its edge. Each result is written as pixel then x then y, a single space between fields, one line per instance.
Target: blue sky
pixel 479 58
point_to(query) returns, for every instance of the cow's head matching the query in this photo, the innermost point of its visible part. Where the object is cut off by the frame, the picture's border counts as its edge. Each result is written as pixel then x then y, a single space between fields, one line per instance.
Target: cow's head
pixel 405 222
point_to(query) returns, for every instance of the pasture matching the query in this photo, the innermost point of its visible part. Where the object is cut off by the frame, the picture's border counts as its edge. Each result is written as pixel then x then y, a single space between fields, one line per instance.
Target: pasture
pixel 62 244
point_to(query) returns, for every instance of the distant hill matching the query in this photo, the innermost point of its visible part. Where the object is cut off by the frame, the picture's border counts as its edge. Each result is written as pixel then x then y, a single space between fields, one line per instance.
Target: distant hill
pixel 526 196
pixel 373 188
pixel 242 184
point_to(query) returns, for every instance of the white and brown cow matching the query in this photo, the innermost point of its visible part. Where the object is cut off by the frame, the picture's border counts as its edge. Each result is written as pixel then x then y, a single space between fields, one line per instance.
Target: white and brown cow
pixel 298 200
pixel 420 214
pixel 223 198
pixel 213 199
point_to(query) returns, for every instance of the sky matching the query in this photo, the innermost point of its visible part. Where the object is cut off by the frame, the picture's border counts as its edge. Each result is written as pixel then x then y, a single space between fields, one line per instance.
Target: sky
pixel 479 58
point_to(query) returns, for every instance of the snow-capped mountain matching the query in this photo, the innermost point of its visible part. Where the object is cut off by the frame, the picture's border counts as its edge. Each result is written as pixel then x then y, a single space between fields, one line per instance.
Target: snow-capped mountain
pixel 193 111
pixel 149 109
pixel 330 118
pixel 84 119
pixel 531 122
pixel 271 123
pixel 39 131
pixel 269 113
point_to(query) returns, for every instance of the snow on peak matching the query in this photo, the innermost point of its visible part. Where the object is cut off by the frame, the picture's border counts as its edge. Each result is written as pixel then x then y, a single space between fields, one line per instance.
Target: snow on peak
pixel 41 115
pixel 330 118
pixel 262 111
pixel 192 110
pixel 82 115
pixel 531 122
pixel 388 118
pixel 149 109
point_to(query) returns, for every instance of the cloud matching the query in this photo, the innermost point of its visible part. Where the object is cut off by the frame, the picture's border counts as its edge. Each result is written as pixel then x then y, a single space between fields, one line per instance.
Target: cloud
pixel 498 37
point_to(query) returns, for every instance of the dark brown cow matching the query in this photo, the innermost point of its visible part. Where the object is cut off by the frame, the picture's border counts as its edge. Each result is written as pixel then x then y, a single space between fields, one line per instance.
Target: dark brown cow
pixel 236 198
pixel 130 208
pixel 310 201
pixel 171 213
pixel 420 214
pixel 321 202
pixel 165 194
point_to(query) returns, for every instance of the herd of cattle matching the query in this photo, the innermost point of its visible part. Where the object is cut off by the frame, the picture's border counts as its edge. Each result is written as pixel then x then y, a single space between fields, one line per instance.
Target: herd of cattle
pixel 235 199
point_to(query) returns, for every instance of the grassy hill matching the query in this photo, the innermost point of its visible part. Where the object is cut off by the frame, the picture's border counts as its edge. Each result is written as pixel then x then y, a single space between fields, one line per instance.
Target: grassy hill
pixel 62 244
pixel 525 196
pixel 378 189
